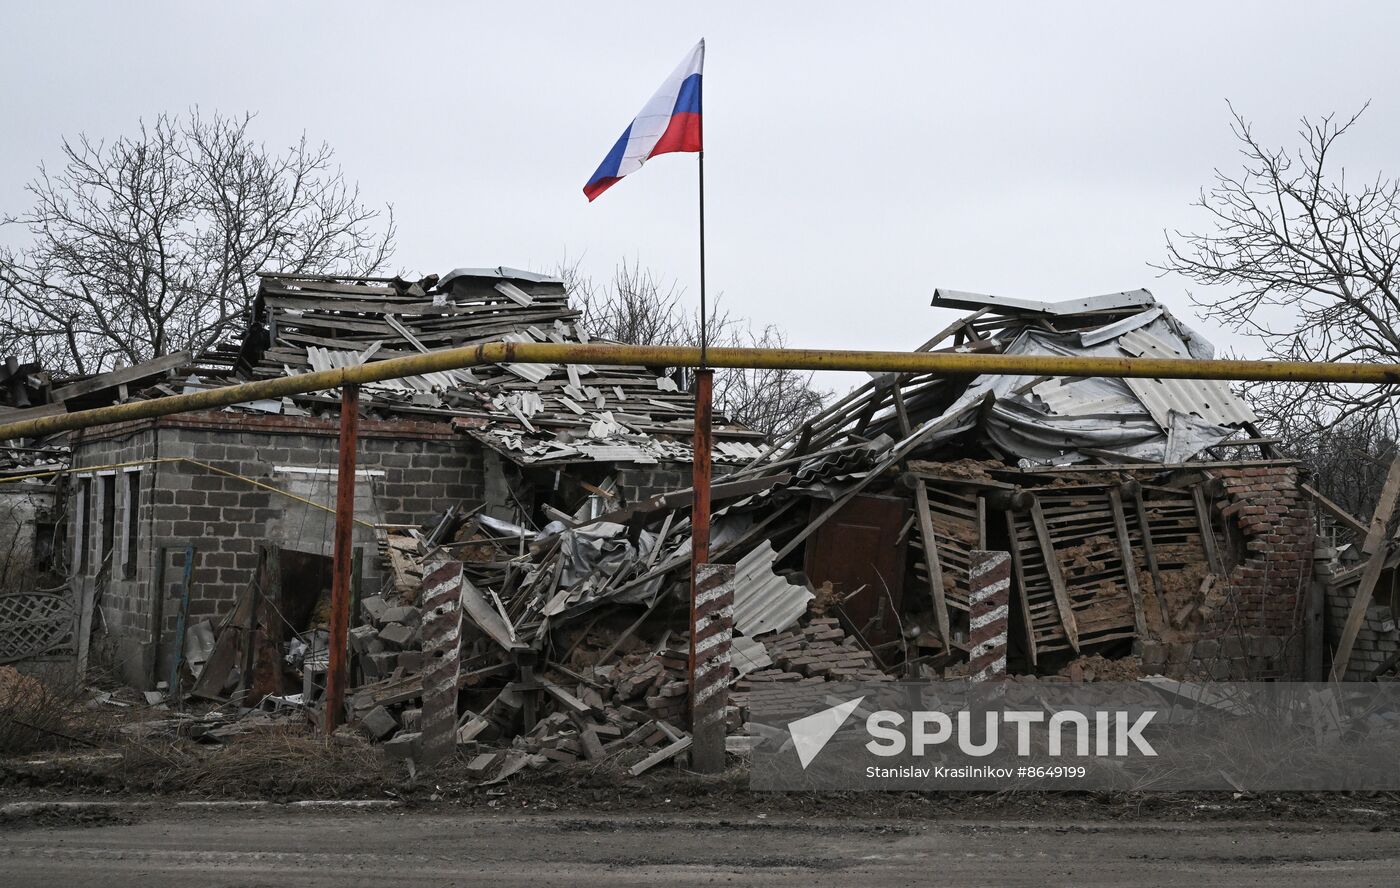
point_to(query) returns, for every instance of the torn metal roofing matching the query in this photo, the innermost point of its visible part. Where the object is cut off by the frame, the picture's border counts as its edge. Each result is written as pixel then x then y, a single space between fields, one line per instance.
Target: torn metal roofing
pixel 500 271
pixel 1132 299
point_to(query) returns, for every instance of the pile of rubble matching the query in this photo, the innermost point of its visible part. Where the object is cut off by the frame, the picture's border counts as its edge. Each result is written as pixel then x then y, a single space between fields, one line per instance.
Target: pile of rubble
pixel 610 696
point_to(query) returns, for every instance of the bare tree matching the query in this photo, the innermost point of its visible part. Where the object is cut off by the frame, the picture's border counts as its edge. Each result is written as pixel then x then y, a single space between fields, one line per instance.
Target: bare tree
pixel 1347 461
pixel 1311 259
pixel 638 308
pixel 150 243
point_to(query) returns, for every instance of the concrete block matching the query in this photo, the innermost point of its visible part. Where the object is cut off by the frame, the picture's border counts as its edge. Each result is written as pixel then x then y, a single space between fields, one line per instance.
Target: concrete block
pixel 396 635
pixel 1154 656
pixel 406 745
pixel 379 723
pixel 383 664
pixel 412 719
pixel 374 608
pixel 481 764
pixel 365 640
pixel 404 613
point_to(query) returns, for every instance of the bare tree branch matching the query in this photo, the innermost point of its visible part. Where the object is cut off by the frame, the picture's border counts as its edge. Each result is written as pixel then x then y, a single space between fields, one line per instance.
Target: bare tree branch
pixel 636 307
pixel 151 243
pixel 1312 266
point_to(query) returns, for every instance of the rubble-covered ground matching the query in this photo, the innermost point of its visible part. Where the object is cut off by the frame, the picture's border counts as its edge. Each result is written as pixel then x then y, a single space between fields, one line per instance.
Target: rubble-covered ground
pixel 111 744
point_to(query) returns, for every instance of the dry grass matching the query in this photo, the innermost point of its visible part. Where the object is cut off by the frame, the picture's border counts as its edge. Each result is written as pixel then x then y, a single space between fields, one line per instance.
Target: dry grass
pixel 35 715
pixel 275 762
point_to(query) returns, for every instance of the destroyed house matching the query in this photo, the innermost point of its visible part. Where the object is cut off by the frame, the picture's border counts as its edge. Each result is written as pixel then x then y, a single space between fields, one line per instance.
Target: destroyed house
pixel 511 443
pixel 1147 524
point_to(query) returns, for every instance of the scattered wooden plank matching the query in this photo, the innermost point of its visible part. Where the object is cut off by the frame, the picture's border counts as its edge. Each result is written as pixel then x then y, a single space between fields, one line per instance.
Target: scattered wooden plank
pixel 667 752
pixel 1125 552
pixel 1356 525
pixel 935 569
pixel 124 376
pixel 1198 499
pixel 1057 580
pixel 571 704
pixel 1149 552
pixel 1018 574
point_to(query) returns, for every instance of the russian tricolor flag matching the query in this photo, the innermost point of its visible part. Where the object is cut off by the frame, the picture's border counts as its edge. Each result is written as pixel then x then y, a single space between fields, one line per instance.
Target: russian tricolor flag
pixel 670 122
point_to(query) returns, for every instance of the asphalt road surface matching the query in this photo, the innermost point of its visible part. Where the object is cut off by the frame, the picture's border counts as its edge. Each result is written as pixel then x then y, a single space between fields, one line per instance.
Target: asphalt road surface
pixel 422 849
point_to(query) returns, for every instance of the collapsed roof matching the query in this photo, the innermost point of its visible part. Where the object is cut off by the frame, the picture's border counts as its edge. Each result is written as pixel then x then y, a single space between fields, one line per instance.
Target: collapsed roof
pixel 1064 420
pixel 1039 420
pixel 535 414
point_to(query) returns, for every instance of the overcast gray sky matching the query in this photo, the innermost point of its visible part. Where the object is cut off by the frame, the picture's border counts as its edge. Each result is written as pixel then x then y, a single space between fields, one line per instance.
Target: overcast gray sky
pixel 859 154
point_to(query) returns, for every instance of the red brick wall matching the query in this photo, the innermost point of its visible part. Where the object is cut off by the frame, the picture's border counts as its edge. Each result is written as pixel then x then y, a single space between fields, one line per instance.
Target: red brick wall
pixel 1252 623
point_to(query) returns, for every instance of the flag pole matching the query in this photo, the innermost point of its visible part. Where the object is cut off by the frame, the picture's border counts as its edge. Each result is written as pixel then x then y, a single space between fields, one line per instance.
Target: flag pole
pixel 704 318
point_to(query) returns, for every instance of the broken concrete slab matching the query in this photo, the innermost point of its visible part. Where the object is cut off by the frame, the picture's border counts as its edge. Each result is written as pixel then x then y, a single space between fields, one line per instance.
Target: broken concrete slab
pixel 365 640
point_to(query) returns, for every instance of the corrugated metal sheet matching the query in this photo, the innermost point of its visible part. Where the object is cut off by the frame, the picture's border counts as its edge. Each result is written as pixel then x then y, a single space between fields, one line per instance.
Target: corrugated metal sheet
pixel 945 298
pixel 739 449
pixel 514 293
pixel 1210 399
pixel 1086 397
pixel 1118 328
pixel 764 601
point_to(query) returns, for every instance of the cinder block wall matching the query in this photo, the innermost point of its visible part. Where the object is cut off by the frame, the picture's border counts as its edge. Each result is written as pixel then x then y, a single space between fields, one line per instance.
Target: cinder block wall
pixel 426 468
pixel 1255 627
pixel 638 481
pixel 1375 642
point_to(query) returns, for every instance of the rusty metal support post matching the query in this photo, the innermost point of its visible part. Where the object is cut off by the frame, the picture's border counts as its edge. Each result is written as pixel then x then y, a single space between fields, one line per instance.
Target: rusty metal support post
pixel 700 510
pixel 700 475
pixel 337 671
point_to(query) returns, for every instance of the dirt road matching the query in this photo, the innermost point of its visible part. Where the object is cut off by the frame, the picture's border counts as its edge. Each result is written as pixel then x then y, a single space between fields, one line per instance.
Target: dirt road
pixel 423 849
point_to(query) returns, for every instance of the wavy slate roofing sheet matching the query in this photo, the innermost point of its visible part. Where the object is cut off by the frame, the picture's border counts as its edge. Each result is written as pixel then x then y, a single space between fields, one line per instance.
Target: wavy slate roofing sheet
pixel 1209 399
pixel 764 601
